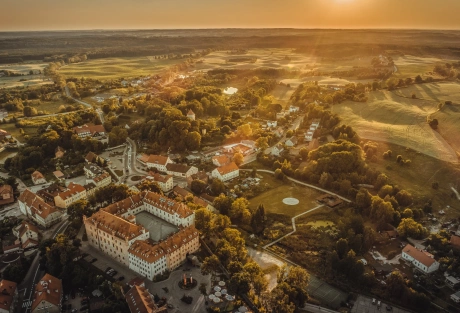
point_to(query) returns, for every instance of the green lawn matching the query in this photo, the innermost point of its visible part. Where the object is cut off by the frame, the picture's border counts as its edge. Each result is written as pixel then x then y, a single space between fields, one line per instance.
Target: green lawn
pixel 11 128
pixel 112 68
pixel 273 199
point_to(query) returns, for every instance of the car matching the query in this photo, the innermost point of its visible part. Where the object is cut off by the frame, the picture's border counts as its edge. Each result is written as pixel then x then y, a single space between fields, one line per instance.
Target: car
pixel 121 278
pixel 111 274
pixel 66 297
pixel 374 301
pixel 93 260
pixel 170 306
pixel 83 302
pixel 379 303
pixel 74 310
pixel 389 308
pixel 107 270
pixel 84 308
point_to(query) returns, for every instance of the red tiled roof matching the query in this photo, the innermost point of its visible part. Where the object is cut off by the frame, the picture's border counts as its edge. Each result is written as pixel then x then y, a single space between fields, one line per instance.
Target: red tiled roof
pixel 58 174
pixel 37 205
pixel 154 159
pixel 231 167
pixel 421 256
pixel 7 290
pixel 221 159
pixel 141 301
pixel 49 289
pixel 37 175
pixel 455 240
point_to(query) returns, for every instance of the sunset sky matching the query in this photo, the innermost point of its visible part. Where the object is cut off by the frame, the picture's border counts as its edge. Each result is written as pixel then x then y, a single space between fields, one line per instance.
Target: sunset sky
pixel 158 14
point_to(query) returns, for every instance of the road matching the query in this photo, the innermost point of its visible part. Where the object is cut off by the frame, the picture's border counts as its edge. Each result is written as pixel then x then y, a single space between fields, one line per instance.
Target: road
pixel 26 287
pixel 88 105
pixel 129 161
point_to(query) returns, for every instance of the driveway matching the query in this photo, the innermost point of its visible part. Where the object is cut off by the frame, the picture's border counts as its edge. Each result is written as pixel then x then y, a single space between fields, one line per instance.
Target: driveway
pixel 175 293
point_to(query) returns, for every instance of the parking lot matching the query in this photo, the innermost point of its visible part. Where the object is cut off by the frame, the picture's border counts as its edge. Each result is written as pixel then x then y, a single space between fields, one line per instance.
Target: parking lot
pixel 115 157
pixel 364 305
pixel 103 262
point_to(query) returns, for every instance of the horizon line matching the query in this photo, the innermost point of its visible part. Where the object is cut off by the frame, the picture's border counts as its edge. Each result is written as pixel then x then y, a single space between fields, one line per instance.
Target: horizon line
pixel 230 28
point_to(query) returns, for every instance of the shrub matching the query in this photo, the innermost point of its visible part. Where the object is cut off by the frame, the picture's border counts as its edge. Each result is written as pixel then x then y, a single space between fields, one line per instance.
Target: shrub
pixel 435 185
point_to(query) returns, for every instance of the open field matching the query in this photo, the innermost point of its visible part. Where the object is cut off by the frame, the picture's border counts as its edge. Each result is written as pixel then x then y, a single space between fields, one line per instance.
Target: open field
pixel 112 68
pixel 411 66
pixel 24 68
pixel 273 199
pixel 391 118
pixel 11 128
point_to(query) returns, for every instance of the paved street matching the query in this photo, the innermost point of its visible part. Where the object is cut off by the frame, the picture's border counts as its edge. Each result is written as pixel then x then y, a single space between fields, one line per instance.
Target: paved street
pixel 26 288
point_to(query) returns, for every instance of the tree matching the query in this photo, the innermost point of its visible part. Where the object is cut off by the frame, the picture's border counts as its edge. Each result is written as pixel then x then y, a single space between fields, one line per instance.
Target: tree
pixel 258 219
pixel 193 141
pixel 223 204
pixel 262 143
pixel 244 130
pixel 239 206
pixel 203 221
pixel 198 186
pixel 117 136
pixel 404 198
pixel 29 111
pixel 217 186
pixel 238 158
pixel 278 302
pixel 149 185
pixel 239 283
pixel 410 228
pixel 418 79
pixel 210 265
pixel 341 247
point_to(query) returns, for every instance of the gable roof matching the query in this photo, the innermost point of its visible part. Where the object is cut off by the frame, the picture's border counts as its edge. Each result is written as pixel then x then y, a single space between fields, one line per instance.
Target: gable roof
pixel 155 159
pixel 58 174
pixel 115 225
pixel 178 168
pixel 7 290
pixel 160 178
pixel 48 289
pixel 190 112
pixel 89 128
pixel 24 227
pixel 36 204
pixel 141 301
pixel 228 168
pixel 166 204
pixel 91 157
pixel 422 256
pixel 6 189
pixel 72 189
pixel 181 191
pixel 145 251
pixel 37 175
pixel 221 159
pixel 101 177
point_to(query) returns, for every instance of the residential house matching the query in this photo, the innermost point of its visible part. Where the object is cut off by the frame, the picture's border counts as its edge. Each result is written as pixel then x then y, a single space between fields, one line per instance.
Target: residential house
pixel 140 300
pixel 277 149
pixel 47 296
pixel 89 130
pixel 59 175
pixel 271 124
pixel 293 109
pixel 180 170
pixel 38 210
pixel 91 189
pixel 281 114
pixel 291 142
pixel 315 123
pixel 59 152
pixel 92 157
pixel 8 296
pixel 38 178
pixel 27 234
pixel 72 194
pixel 226 172
pixel 181 193
pixel 452 282
pixel 220 160
pixel 136 281
pixel 101 180
pixel 455 297
pixel 198 176
pixel 4 135
pixel 156 161
pixel 191 115
pixel 308 136
pixel 92 170
pixel 48 193
pixel 421 259
pixel 165 182
pixel 6 194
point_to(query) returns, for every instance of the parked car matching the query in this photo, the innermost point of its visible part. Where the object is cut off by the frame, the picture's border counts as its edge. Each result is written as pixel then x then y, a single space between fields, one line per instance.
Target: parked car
pixel 389 308
pixel 113 273
pixel 374 301
pixel 121 278
pixel 170 306
pixel 379 303
pixel 74 310
pixel 83 308
pixel 107 270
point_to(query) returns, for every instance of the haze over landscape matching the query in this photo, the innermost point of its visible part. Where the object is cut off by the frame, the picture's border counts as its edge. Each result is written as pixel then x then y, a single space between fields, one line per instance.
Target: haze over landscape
pixel 150 14
pixel 230 156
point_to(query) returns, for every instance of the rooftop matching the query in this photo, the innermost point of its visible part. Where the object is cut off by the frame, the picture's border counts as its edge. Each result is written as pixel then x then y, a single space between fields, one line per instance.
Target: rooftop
pixel 228 168
pixel 48 289
pixel 7 290
pixel 422 256
pixel 115 225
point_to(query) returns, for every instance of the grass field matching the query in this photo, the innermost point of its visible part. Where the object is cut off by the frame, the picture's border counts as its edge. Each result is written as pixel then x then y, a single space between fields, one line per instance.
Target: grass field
pixel 388 117
pixel 411 66
pixel 112 68
pixel 11 128
pixel 273 198
pixel 23 68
